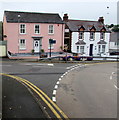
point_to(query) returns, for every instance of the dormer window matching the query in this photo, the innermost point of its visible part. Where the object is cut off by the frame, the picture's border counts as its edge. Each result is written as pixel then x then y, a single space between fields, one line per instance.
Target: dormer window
pixel 92 35
pixel 102 35
pixel 81 35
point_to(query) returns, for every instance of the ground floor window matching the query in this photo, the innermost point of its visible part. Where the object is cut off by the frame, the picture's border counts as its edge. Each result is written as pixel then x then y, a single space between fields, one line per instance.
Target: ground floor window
pixel 77 49
pixel 22 44
pixel 101 48
pixel 82 49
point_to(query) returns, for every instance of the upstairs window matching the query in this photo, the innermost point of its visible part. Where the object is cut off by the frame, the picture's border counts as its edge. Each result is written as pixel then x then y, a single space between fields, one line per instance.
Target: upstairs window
pixel 81 35
pixel 92 35
pixel 51 29
pixel 102 35
pixel 37 29
pixel 22 28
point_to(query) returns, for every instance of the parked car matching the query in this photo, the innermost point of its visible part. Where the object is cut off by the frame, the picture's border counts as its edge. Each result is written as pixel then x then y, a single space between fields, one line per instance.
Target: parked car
pixel 77 58
pixel 114 53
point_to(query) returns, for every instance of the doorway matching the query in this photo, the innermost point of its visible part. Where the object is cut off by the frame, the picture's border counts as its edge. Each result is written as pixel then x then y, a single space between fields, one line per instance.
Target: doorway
pixel 91 50
pixel 37 45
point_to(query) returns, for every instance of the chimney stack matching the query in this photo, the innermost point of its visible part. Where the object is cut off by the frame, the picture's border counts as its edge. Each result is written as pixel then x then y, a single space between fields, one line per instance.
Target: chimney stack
pixel 65 17
pixel 101 19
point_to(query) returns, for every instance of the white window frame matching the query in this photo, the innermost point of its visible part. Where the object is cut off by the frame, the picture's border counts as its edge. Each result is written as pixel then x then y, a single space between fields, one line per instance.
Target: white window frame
pixel 22 28
pixel 102 36
pixel 101 48
pixel 82 50
pixel 92 35
pixel 22 45
pixel 36 29
pixel 81 35
pixel 50 29
pixel 77 48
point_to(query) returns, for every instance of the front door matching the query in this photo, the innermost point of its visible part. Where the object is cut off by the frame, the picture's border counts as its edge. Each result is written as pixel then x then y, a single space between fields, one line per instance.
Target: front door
pixel 91 50
pixel 36 46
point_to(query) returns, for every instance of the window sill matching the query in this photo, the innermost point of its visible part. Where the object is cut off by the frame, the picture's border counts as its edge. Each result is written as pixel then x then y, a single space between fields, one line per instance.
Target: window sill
pixel 22 49
pixel 92 39
pixel 22 33
pixel 50 33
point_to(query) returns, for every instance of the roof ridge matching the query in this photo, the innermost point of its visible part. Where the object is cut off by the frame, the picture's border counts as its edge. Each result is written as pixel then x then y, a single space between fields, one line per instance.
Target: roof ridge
pixel 82 20
pixel 27 12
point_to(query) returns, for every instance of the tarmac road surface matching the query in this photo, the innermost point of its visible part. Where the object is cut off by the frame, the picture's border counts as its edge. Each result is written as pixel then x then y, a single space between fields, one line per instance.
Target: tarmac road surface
pixel 89 92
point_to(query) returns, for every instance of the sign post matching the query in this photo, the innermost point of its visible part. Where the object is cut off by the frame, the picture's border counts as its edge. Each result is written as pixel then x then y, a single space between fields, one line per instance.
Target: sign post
pixel 51 41
pixel 66 48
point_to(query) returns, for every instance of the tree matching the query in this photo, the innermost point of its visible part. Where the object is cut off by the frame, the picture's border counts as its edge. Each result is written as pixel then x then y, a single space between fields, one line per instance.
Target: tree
pixel 115 28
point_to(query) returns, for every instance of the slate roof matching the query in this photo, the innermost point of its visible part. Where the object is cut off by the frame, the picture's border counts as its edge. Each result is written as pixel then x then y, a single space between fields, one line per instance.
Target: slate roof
pixel 102 42
pixel 32 17
pixel 75 25
pixel 114 37
pixel 80 42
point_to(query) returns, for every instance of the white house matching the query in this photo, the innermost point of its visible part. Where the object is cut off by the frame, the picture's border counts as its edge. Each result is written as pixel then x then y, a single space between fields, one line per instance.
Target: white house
pixel 90 38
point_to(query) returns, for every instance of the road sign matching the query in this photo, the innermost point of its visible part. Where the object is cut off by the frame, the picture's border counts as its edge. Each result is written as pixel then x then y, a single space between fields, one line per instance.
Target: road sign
pixel 51 41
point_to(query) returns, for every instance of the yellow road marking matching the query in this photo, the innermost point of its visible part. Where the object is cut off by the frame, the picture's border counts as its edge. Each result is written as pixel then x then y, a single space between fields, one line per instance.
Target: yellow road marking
pixel 35 90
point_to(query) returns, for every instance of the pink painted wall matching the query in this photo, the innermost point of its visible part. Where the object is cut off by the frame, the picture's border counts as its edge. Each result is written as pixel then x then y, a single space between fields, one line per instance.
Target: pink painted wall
pixel 12 32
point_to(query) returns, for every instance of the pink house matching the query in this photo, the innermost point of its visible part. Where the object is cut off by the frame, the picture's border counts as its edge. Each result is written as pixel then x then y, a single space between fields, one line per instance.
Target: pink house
pixel 25 31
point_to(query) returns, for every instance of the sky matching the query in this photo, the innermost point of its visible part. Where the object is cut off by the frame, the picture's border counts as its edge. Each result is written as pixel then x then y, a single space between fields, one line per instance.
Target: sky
pixel 76 9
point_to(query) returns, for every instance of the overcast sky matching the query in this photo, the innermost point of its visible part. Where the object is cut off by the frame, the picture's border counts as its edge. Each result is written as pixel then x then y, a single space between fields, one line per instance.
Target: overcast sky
pixel 76 9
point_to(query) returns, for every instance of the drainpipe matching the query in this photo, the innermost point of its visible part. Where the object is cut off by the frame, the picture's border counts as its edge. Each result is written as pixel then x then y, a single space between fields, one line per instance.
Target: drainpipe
pixel 18 31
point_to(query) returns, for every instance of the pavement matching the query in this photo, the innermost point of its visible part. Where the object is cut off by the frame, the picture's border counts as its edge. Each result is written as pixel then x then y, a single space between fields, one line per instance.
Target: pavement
pixel 17 101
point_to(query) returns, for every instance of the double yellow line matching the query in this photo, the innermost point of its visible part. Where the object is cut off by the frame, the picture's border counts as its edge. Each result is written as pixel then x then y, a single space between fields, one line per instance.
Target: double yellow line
pixel 53 107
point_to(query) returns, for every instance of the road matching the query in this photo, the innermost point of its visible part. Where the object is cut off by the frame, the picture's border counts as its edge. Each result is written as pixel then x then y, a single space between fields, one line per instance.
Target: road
pixel 89 92
pixel 42 75
pixel 81 91
pixel 18 102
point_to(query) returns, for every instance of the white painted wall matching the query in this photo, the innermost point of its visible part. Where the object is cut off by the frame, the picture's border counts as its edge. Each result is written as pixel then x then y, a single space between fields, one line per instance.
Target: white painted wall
pixel 88 42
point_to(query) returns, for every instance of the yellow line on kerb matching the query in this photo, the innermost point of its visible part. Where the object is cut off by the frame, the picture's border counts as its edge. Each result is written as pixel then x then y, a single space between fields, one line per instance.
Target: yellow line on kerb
pixel 32 86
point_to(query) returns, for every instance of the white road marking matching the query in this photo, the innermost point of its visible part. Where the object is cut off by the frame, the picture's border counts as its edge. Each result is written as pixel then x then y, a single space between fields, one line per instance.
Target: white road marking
pixel 116 87
pixel 113 73
pixel 57 82
pixel 38 64
pixel 72 66
pixel 54 99
pixel 54 92
pixel 62 76
pixel 66 73
pixel 110 77
pixel 56 86
pixel 50 64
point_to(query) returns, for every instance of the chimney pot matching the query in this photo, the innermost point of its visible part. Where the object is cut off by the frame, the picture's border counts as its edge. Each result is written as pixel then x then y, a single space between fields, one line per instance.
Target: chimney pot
pixel 65 17
pixel 101 19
